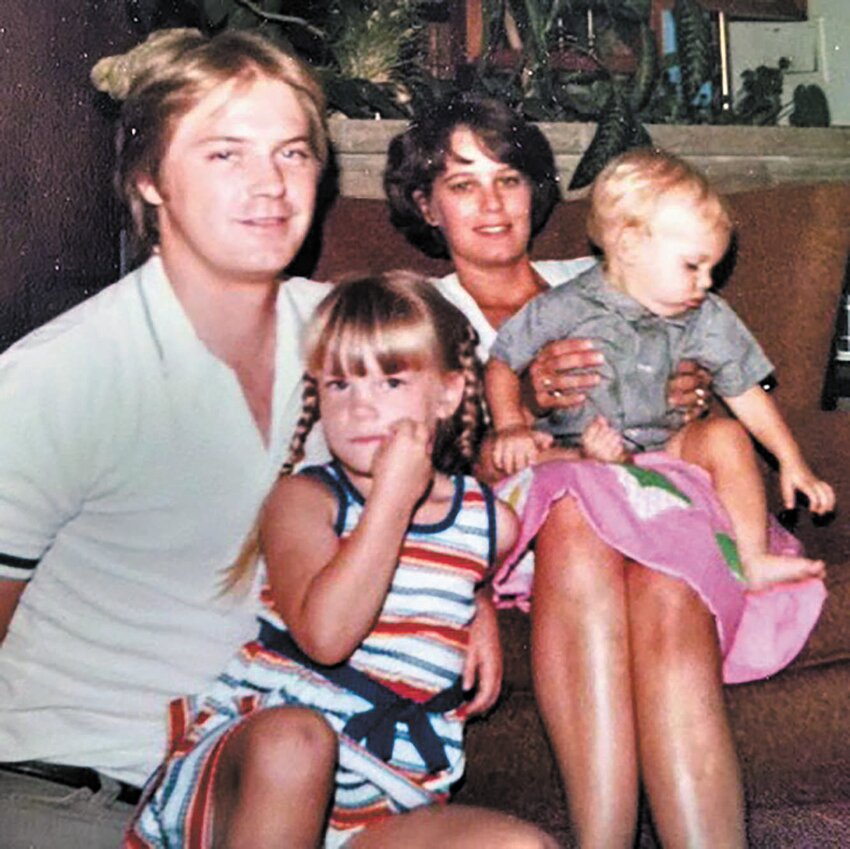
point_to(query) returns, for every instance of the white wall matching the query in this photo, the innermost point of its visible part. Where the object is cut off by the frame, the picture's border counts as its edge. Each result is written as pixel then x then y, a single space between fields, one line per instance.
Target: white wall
pixel 819 50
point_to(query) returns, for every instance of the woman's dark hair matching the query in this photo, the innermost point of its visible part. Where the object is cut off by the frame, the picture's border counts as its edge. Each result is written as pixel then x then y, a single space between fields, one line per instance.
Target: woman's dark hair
pixel 417 156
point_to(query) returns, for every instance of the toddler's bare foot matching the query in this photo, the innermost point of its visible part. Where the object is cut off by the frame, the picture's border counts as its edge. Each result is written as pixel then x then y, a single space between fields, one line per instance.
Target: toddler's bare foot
pixel 762 570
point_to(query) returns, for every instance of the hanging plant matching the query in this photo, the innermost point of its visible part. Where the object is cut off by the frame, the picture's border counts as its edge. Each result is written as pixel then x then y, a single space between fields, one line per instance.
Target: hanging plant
pixel 618 130
pixel 695 52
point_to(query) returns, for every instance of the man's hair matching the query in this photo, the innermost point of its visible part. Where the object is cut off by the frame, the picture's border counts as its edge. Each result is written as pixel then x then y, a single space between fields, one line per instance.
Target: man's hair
pixel 416 157
pixel 628 191
pixel 170 75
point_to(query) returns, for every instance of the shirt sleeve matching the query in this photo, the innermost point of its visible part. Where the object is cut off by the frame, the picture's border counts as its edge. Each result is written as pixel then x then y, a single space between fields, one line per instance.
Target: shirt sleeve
pixel 45 453
pixel 726 347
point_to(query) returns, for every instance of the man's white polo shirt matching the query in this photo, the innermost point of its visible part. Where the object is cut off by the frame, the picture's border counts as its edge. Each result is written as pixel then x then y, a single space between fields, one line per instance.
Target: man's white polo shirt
pixel 131 470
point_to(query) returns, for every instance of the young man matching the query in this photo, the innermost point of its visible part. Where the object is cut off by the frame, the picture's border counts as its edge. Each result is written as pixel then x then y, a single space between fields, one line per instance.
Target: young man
pixel 139 434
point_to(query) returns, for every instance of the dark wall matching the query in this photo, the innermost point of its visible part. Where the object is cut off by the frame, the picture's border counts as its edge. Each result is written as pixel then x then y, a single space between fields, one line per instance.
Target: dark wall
pixel 58 217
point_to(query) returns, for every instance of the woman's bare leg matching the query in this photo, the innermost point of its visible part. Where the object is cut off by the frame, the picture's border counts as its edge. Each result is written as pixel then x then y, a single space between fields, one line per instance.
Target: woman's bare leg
pixel 453 827
pixel 724 449
pixel 580 662
pixel 688 761
pixel 274 781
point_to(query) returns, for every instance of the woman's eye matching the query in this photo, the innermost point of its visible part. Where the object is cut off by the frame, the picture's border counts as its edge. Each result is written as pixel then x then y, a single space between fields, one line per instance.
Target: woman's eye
pixel 511 180
pixel 394 382
pixel 461 186
pixel 223 155
pixel 336 384
pixel 692 266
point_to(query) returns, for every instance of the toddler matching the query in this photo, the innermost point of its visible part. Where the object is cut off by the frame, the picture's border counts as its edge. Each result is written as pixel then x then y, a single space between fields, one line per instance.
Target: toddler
pixel 662 230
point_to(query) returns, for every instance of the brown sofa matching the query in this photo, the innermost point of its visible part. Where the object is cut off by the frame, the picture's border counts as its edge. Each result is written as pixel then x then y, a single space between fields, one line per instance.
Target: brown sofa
pixel 793 731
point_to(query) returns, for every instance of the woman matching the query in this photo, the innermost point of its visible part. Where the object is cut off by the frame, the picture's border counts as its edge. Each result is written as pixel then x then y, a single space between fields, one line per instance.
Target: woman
pixel 626 661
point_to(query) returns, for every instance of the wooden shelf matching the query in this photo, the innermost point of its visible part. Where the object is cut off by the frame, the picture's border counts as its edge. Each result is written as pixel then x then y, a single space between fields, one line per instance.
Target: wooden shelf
pixel 770 10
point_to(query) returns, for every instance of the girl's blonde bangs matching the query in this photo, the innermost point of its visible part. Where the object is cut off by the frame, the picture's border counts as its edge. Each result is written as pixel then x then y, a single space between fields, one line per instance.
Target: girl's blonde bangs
pixel 351 347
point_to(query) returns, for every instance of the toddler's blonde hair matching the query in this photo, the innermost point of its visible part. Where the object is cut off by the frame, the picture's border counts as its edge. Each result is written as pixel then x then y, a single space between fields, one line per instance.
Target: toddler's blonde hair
pixel 629 190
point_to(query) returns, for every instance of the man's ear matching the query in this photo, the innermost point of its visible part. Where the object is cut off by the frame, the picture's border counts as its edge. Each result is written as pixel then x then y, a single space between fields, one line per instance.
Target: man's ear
pixel 421 200
pixel 453 386
pixel 148 190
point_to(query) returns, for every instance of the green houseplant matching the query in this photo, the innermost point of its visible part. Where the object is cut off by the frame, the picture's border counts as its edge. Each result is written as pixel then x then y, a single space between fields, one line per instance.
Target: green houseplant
pixel 553 60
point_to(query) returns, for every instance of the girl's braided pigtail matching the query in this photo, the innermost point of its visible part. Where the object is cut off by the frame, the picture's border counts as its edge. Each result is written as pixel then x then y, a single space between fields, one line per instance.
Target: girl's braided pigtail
pixel 309 416
pixel 472 415
pixel 240 573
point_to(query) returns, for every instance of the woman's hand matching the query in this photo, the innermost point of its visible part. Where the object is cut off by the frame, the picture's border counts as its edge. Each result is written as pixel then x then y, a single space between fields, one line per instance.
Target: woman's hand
pixel 562 372
pixel 689 391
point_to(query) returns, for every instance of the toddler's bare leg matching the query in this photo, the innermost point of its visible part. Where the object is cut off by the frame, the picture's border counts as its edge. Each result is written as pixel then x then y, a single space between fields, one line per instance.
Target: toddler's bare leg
pixel 724 449
pixel 274 781
pixel 582 678
pixel 687 755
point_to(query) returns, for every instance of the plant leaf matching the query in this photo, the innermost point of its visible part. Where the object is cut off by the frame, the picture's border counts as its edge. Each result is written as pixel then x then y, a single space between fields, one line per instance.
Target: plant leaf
pixel 618 131
pixel 693 40
pixel 811 108
pixel 217 11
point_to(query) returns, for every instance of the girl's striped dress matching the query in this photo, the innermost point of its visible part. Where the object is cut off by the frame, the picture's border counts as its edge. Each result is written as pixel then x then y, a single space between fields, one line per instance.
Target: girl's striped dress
pixel 399 726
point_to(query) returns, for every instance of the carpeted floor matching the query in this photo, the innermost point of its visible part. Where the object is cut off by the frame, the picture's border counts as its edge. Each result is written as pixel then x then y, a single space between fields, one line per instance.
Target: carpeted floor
pixel 824 826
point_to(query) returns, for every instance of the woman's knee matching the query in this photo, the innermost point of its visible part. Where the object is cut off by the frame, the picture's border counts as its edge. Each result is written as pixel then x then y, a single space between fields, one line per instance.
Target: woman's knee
pixel 570 557
pixel 458 826
pixel 668 610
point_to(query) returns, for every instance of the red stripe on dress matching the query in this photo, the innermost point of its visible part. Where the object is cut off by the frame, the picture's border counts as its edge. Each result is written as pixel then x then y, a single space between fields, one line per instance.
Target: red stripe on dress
pixel 199 820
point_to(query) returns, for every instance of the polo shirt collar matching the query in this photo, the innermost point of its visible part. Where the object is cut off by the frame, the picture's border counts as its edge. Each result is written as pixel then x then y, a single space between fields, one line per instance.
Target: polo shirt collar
pixel 615 300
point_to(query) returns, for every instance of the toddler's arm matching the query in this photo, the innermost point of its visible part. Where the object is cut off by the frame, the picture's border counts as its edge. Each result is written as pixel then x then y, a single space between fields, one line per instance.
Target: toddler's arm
pixel 602 442
pixel 516 443
pixel 756 410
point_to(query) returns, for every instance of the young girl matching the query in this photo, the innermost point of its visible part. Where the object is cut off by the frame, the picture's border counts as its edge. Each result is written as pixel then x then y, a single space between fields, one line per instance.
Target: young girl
pixel 372 565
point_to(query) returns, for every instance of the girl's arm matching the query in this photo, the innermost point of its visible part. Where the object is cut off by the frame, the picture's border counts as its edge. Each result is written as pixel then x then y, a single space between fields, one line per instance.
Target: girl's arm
pixel 757 411
pixel 484 662
pixel 330 591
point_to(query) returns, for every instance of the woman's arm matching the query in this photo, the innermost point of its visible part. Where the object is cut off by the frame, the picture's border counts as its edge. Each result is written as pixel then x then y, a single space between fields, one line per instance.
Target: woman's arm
pixel 563 371
pixel 756 410
pixel 328 591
